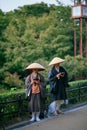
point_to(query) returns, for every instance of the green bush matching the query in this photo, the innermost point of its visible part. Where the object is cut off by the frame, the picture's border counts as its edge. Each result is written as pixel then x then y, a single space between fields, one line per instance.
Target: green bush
pixel 76 95
pixel 78 83
pixel 19 94
pixel 9 106
pixel 13 81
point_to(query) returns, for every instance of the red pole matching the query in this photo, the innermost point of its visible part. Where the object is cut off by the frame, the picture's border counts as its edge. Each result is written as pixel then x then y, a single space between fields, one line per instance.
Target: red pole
pixel 86 33
pixel 80 36
pixel 86 39
pixel 86 36
pixel 74 34
pixel 74 38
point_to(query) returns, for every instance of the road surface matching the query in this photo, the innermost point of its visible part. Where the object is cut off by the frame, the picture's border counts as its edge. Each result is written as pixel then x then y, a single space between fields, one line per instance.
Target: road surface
pixel 75 119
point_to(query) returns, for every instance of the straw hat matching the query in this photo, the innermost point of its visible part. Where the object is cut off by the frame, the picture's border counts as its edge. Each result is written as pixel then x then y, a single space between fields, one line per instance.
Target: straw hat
pixel 56 60
pixel 35 66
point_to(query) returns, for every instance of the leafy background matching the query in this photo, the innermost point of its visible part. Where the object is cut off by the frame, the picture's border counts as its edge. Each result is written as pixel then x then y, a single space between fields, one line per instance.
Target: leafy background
pixel 38 33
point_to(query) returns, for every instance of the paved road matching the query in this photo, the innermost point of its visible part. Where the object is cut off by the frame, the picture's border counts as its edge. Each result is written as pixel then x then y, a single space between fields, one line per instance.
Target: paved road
pixel 75 119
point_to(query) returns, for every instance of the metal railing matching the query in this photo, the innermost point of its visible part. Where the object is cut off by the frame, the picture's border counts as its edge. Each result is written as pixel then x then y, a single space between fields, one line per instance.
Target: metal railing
pixel 74 95
pixel 78 93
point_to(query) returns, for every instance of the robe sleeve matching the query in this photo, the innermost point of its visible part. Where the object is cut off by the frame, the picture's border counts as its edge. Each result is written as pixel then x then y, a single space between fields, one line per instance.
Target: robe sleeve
pixel 28 87
pixel 51 76
pixel 27 82
pixel 65 79
pixel 42 86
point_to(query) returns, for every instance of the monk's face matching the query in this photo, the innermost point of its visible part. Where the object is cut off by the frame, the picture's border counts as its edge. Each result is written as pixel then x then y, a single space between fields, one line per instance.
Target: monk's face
pixel 35 70
pixel 57 65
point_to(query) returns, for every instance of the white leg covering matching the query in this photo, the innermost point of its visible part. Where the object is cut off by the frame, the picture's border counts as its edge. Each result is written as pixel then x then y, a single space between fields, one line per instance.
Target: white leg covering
pixel 37 116
pixel 33 116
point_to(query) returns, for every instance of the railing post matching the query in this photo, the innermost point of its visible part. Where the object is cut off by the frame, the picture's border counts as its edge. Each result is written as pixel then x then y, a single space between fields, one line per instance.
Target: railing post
pixel 20 104
pixel 1 119
pixel 79 92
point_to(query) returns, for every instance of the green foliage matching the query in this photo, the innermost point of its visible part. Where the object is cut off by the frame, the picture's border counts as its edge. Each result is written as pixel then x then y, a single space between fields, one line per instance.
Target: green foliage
pixel 20 105
pixel 13 81
pixel 78 92
pixel 37 33
pixel 76 67
pixel 12 106
pixel 3 24
pixel 78 83
pixel 33 10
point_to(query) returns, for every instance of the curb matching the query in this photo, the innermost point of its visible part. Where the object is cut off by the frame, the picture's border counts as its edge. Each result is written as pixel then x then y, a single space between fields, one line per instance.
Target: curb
pixel 24 123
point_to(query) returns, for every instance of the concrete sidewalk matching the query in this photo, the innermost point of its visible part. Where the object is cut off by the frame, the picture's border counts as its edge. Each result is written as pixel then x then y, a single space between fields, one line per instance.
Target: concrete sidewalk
pixel 75 119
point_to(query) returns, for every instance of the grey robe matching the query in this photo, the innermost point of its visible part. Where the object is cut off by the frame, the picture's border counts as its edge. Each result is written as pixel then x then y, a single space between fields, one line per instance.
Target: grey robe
pixel 36 100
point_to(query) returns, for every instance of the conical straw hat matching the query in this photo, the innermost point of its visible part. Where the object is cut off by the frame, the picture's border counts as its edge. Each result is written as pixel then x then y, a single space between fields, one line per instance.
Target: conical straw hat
pixel 56 60
pixel 35 66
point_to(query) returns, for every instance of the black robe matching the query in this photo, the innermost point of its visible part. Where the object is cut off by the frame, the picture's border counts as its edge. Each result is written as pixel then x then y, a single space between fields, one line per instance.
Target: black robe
pixel 58 86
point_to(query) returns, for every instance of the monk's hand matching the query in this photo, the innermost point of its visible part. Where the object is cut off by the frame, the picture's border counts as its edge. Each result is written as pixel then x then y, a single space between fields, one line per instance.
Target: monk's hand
pixel 58 76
